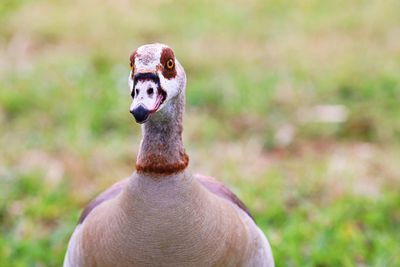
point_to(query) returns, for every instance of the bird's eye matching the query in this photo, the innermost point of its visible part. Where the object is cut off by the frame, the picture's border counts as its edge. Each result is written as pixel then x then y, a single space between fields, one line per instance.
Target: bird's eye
pixel 170 64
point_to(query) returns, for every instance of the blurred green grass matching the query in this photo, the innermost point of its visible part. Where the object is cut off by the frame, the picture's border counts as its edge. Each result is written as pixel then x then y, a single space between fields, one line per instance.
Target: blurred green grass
pixel 324 191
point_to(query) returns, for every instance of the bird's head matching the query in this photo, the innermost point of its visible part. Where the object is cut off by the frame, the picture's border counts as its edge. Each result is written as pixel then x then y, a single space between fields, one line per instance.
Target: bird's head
pixel 156 77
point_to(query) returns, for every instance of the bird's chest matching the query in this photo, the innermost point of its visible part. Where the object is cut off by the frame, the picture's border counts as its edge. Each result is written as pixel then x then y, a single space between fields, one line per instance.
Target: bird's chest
pixel 168 234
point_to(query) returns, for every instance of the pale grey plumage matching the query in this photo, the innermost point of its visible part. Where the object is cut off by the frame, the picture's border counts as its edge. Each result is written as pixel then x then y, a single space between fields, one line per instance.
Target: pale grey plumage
pixel 166 218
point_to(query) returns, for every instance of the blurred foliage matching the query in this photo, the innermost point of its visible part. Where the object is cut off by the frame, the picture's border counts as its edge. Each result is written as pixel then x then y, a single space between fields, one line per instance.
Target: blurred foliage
pixel 302 97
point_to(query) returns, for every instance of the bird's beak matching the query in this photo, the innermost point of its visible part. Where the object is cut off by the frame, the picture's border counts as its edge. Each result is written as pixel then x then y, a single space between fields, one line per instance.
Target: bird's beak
pixel 141 111
pixel 148 96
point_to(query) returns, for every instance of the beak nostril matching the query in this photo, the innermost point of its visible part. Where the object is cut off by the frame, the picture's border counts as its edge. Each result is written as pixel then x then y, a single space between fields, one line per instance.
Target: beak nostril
pixel 140 114
pixel 150 91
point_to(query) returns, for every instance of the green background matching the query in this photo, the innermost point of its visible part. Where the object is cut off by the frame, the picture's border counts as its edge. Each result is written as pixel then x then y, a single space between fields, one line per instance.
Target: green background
pixel 293 104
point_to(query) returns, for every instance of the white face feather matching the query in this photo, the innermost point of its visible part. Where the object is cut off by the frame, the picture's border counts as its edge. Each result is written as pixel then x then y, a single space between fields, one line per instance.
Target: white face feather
pixel 148 60
pixel 130 81
pixel 142 97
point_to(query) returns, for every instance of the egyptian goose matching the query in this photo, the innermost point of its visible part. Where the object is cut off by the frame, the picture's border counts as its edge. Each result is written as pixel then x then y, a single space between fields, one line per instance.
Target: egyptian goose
pixel 162 215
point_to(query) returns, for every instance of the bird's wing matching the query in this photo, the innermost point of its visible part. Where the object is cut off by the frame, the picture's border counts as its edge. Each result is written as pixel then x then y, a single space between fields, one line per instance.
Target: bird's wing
pixel 263 253
pixel 73 256
pixel 110 193
pixel 221 190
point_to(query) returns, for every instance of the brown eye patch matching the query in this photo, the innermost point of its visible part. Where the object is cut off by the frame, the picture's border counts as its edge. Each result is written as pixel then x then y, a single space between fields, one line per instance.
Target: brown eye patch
pixel 167 61
pixel 132 59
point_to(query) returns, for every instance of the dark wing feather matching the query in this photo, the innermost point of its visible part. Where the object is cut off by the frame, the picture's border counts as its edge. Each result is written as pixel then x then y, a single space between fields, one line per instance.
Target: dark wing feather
pixel 221 190
pixel 110 193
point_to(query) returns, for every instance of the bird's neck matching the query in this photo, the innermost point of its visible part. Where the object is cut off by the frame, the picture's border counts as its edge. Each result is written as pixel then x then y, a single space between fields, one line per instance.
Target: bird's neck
pixel 161 151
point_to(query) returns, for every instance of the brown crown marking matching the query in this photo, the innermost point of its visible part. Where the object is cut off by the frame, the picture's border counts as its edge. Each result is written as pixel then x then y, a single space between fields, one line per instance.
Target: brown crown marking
pixel 167 54
pixel 155 164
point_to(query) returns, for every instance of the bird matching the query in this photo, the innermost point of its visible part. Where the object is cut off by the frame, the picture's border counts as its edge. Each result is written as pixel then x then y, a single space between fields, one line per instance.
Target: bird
pixel 162 214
